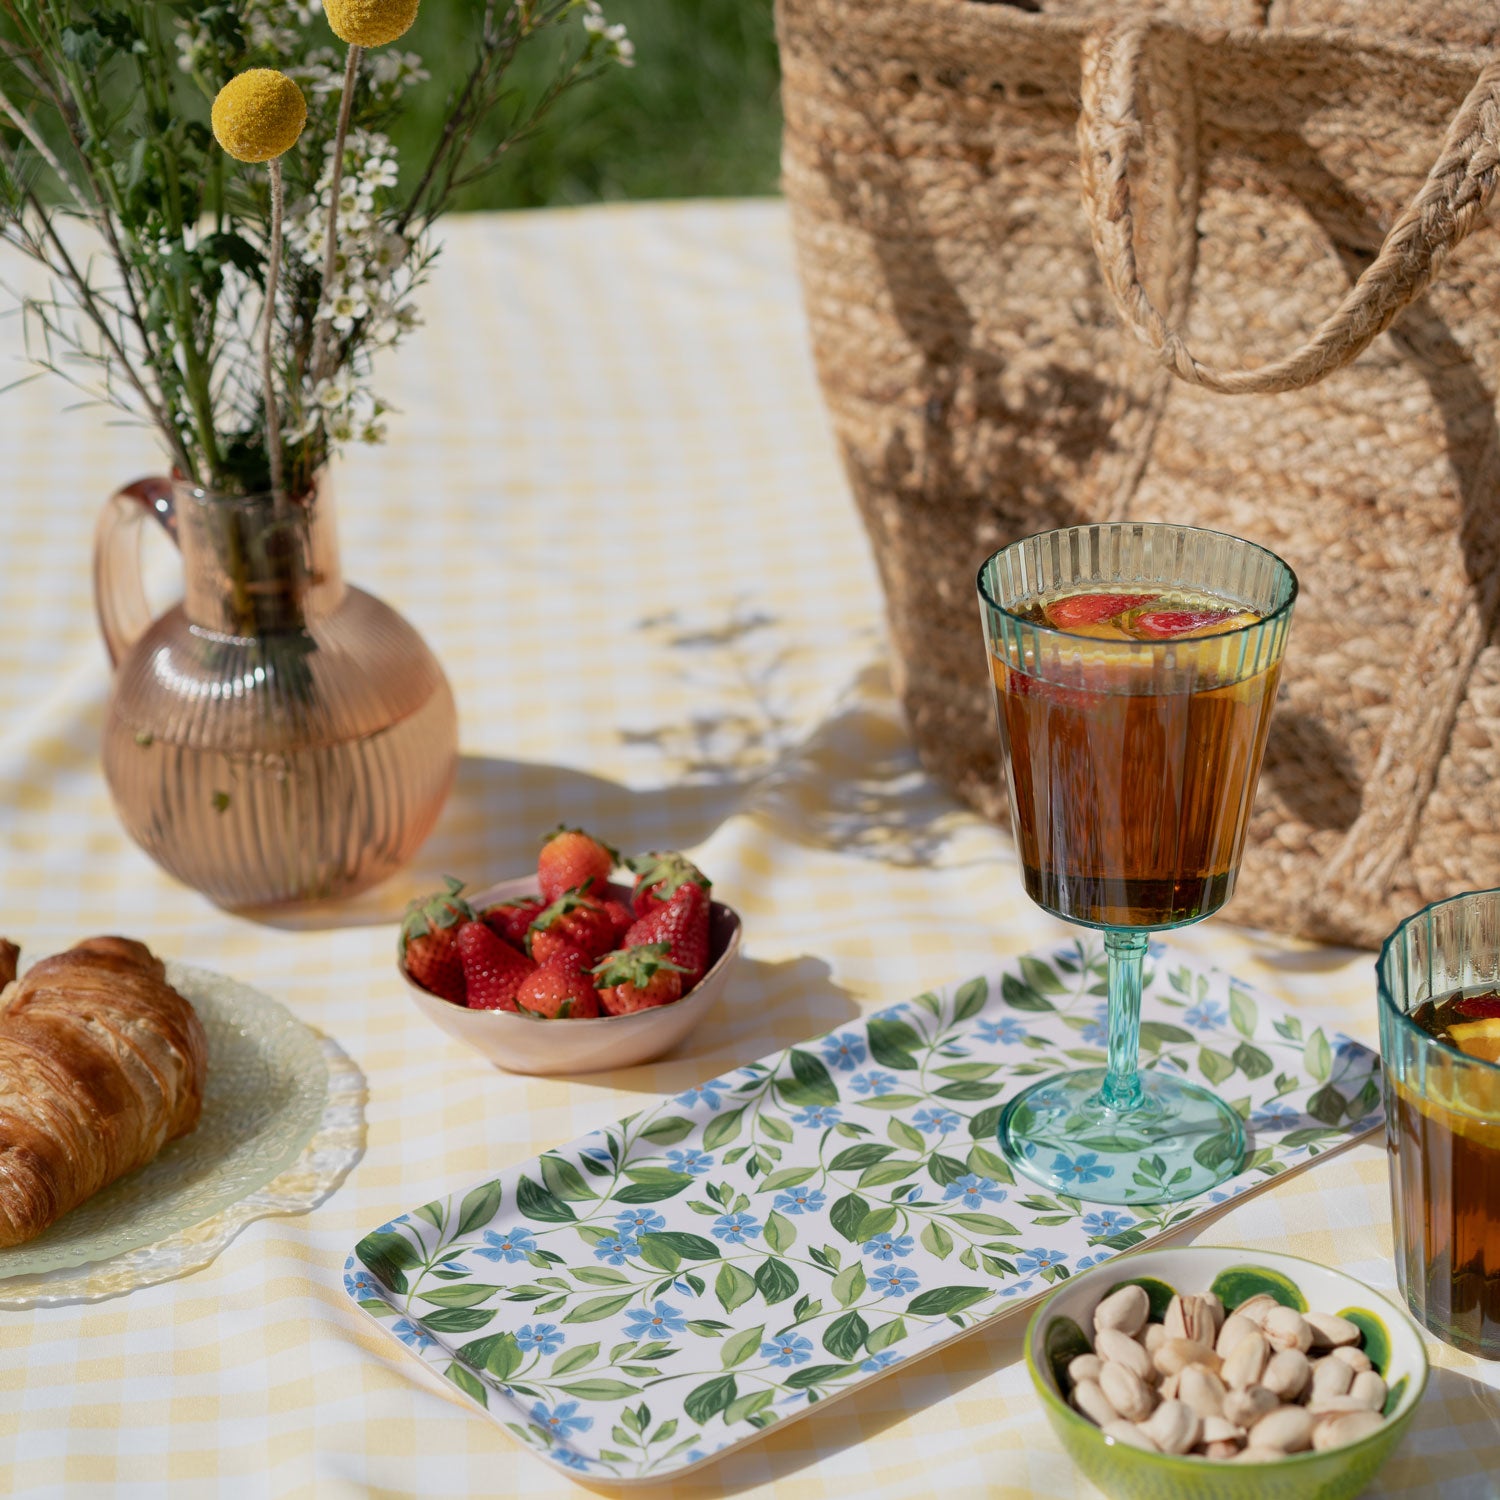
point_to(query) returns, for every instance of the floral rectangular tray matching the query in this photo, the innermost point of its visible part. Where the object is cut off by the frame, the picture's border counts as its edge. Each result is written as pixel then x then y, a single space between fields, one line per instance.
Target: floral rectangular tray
pixel 657 1292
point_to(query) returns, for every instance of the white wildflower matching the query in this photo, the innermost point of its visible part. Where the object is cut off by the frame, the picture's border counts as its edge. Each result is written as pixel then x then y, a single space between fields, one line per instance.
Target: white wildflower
pixel 379 172
pixel 347 306
pixel 336 391
pixel 392 71
pixel 386 252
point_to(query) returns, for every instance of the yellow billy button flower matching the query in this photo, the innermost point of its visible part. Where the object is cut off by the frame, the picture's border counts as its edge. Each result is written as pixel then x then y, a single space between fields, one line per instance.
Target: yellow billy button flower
pixel 259 115
pixel 370 23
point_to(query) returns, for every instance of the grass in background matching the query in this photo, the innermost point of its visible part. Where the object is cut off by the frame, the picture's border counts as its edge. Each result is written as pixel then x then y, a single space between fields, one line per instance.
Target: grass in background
pixel 698 116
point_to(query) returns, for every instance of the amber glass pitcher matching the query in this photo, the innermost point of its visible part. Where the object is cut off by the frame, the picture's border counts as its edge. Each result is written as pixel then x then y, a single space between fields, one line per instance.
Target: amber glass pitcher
pixel 278 737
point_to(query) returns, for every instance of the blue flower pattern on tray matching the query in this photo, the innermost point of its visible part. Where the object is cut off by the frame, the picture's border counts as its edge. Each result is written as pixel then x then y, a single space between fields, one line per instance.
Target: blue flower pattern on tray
pixel 545 1338
pixel 513 1245
pixel 974 1191
pixel 846 1051
pixel 1081 1168
pixel 709 1093
pixel 739 1253
pixel 654 1322
pixel 789 1349
pixel 801 1200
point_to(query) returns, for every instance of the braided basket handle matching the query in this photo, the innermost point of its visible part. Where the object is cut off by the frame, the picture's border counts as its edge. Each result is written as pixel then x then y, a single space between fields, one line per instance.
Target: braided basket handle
pixel 1444 212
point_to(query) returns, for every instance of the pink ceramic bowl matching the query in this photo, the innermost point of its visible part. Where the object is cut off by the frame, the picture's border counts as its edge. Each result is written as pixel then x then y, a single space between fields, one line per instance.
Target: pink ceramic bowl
pixel 527 1044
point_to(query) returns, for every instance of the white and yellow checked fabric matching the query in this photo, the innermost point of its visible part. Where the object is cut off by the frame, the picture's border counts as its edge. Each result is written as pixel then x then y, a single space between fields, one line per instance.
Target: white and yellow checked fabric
pixel 612 506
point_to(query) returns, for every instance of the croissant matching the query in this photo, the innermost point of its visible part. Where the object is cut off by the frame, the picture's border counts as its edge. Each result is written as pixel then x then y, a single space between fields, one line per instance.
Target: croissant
pixel 102 1063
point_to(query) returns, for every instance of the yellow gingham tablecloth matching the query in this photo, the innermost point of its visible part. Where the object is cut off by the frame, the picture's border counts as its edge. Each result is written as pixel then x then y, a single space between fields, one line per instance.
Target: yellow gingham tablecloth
pixel 612 505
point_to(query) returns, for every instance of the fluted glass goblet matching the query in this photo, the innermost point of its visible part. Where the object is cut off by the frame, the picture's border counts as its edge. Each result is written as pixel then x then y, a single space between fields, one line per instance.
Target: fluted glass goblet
pixel 1135 668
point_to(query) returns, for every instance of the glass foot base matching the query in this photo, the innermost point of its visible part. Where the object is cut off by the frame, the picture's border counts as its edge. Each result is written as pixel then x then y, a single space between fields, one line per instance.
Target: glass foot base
pixel 1179 1141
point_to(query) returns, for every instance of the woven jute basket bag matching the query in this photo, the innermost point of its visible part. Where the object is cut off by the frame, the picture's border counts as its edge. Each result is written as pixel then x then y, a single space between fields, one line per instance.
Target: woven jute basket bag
pixel 1219 262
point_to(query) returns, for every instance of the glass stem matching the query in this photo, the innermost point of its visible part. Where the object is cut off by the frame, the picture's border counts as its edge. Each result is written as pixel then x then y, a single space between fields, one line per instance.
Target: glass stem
pixel 1122 1083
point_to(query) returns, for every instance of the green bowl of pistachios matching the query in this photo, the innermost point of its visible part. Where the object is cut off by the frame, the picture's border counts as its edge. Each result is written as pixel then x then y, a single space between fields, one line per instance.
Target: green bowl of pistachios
pixel 1264 1376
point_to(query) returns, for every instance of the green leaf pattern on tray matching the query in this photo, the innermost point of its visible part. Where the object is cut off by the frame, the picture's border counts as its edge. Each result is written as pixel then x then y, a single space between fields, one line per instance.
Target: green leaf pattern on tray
pixel 662 1289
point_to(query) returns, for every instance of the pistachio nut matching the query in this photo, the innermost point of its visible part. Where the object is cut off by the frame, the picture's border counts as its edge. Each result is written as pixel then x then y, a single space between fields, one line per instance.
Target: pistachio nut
pixel 1286 1328
pixel 1120 1349
pixel 1221 1430
pixel 1255 1308
pixel 1331 1331
pixel 1356 1359
pixel 1174 1427
pixel 1246 1362
pixel 1178 1354
pixel 1129 1433
pixel 1331 1377
pixel 1190 1318
pixel 1288 1429
pixel 1202 1390
pixel 1286 1374
pixel 1368 1387
pixel 1246 1407
pixel 1126 1309
pixel 1126 1391
pixel 1326 1405
pixel 1093 1403
pixel 1234 1329
pixel 1348 1427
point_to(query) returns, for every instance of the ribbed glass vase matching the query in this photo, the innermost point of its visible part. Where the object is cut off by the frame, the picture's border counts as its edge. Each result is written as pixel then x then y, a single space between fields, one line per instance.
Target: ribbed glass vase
pixel 278 737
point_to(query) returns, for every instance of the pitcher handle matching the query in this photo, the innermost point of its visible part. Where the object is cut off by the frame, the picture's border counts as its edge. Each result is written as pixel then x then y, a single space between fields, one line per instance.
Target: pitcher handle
pixel 119 590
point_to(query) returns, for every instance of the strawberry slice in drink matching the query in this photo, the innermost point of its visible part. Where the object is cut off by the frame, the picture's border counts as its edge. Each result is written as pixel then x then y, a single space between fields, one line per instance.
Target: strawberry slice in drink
pixel 1173 624
pixel 1090 609
pixel 1479 1007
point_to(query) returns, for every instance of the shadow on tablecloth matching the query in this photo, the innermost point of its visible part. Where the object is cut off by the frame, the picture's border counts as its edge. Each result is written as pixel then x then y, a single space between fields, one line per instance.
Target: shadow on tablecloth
pixel 496 815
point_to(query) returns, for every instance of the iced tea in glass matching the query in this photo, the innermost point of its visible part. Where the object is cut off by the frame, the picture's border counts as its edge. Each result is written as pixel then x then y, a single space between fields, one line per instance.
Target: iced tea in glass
pixel 1132 786
pixel 1439 984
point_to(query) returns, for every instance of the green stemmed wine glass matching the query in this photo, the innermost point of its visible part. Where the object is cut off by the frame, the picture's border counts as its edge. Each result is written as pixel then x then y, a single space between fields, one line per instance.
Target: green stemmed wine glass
pixel 1135 669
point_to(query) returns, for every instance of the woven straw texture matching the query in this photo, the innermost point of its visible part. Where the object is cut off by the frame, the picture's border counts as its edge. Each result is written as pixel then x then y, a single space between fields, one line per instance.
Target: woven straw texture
pixel 1218 262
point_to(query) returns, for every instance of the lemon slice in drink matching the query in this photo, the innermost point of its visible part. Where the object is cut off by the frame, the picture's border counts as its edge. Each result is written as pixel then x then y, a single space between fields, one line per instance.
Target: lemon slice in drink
pixel 1479 1039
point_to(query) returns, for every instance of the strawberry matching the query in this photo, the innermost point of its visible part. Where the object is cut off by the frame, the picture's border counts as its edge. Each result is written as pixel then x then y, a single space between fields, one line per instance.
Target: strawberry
pixel 575 920
pixel 560 989
pixel 511 919
pixel 683 925
pixel 571 859
pixel 427 948
pixel 621 915
pixel 1479 1007
pixel 493 970
pixel 638 979
pixel 658 877
pixel 1166 624
pixel 1090 609
pixel 1023 685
